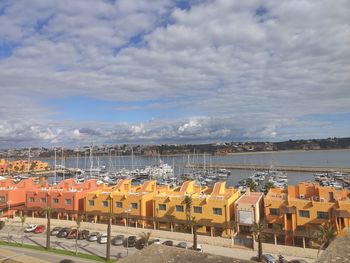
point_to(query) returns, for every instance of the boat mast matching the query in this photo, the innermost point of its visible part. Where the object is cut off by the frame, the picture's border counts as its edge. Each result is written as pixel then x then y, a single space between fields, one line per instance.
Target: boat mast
pixel 55 166
pixel 132 158
pixel 28 161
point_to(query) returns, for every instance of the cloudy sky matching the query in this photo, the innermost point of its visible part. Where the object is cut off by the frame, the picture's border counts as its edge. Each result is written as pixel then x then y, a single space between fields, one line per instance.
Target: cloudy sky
pixel 150 71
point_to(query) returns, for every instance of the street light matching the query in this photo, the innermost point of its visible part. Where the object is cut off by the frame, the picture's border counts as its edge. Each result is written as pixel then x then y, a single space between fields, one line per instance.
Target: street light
pixel 127 211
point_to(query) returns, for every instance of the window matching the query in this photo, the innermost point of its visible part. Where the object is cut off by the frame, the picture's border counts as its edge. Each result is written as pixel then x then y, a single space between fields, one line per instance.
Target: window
pixel 55 200
pixel 2 199
pixel 43 200
pixel 322 215
pixel 217 211
pixel 179 208
pixel 104 203
pixel 134 205
pixel 31 200
pixel 119 204
pixel 68 201
pixel 304 213
pixel 91 202
pixel 274 211
pixel 162 207
pixel 197 209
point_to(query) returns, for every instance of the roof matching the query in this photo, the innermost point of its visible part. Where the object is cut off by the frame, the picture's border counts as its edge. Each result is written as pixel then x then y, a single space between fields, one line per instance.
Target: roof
pixel 250 198
pixel 338 250
pixel 164 254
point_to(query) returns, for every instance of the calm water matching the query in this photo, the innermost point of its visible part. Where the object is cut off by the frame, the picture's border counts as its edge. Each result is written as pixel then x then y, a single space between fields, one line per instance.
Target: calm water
pixel 333 158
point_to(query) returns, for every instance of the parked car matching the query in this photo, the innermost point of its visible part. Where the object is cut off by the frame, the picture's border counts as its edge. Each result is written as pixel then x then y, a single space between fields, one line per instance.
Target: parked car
pixel 182 245
pixel 297 261
pixel 83 234
pixel 30 228
pixel 156 241
pixel 130 241
pixel 199 248
pixel 55 231
pixel 92 237
pixel 168 243
pixel 102 239
pixel 63 232
pixel 118 240
pixel 39 229
pixel 72 234
pixel 267 258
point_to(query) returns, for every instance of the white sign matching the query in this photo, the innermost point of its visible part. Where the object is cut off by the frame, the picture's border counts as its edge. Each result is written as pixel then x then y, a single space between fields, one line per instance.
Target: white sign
pixel 245 217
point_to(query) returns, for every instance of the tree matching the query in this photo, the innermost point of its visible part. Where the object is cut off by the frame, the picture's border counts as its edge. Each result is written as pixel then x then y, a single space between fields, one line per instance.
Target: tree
pixel 252 185
pixel 23 220
pixel 145 237
pixel 78 221
pixel 325 235
pixel 194 225
pixel 48 211
pixel 188 205
pixel 32 166
pixel 269 185
pixel 258 231
pixel 109 227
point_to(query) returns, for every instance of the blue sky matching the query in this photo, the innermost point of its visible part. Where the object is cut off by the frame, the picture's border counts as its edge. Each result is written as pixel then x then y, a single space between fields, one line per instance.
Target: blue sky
pixel 139 71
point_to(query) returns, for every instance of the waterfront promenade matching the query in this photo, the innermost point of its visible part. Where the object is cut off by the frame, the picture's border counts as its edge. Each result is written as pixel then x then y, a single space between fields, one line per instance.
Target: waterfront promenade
pixel 261 167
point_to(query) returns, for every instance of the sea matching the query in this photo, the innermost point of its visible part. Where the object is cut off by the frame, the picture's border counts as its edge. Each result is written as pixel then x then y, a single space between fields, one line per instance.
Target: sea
pixel 335 159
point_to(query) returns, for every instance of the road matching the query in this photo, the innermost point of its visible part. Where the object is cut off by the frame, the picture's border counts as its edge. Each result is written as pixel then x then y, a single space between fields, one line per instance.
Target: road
pixel 14 232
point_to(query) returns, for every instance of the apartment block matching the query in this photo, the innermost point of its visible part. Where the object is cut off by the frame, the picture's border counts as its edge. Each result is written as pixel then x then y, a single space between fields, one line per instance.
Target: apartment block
pixel 294 214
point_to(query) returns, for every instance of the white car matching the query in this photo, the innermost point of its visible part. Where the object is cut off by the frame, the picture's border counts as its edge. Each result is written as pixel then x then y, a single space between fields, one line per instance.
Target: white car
pixel 102 239
pixel 199 248
pixel 31 228
pixel 157 242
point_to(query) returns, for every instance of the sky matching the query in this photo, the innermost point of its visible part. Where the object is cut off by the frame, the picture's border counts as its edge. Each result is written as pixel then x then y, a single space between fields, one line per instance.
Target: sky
pixel 140 71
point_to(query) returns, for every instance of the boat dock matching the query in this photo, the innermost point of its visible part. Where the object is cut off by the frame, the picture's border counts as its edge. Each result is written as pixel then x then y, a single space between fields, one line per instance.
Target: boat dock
pixel 260 167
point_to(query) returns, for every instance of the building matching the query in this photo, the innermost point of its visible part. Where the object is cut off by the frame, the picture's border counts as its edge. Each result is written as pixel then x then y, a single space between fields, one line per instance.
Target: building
pixel 249 209
pixel 22 166
pixel 129 204
pixel 13 195
pixel 212 209
pixel 294 214
pixel 66 198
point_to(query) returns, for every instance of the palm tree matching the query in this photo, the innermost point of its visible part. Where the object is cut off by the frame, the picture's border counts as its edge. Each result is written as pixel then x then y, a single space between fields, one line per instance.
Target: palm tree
pixel 188 205
pixel 257 230
pixel 269 185
pixel 252 185
pixel 325 235
pixel 48 211
pixel 78 221
pixel 109 228
pixel 23 220
pixel 145 238
pixel 194 225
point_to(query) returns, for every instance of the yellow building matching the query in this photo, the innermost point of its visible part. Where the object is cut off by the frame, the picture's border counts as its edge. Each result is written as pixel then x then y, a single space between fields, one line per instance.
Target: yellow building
pixel 213 209
pixel 20 166
pixel 296 213
pixel 123 201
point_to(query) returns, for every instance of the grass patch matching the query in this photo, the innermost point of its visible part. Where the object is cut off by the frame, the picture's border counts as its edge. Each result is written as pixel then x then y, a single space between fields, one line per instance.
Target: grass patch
pixel 56 250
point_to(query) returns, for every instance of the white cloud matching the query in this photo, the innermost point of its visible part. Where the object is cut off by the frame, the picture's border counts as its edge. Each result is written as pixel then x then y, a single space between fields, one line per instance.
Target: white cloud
pixel 248 76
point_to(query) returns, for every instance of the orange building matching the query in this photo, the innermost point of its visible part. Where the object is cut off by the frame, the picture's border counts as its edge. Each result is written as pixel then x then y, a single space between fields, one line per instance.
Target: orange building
pixel 296 213
pixel 22 166
pixel 123 198
pixel 13 195
pixel 66 198
pixel 212 208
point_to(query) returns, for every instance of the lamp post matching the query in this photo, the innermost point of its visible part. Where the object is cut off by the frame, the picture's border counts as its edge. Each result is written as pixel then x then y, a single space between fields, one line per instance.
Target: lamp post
pixel 127 211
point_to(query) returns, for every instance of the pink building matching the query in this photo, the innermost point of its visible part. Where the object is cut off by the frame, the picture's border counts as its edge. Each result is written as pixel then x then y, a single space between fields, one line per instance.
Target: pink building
pixel 66 198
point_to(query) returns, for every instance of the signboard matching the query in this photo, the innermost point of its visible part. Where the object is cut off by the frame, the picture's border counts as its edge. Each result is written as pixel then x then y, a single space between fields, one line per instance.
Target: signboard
pixel 245 217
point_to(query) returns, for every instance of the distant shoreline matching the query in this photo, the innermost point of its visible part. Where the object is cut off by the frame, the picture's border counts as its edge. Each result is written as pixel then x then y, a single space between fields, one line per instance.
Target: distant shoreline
pixel 228 154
